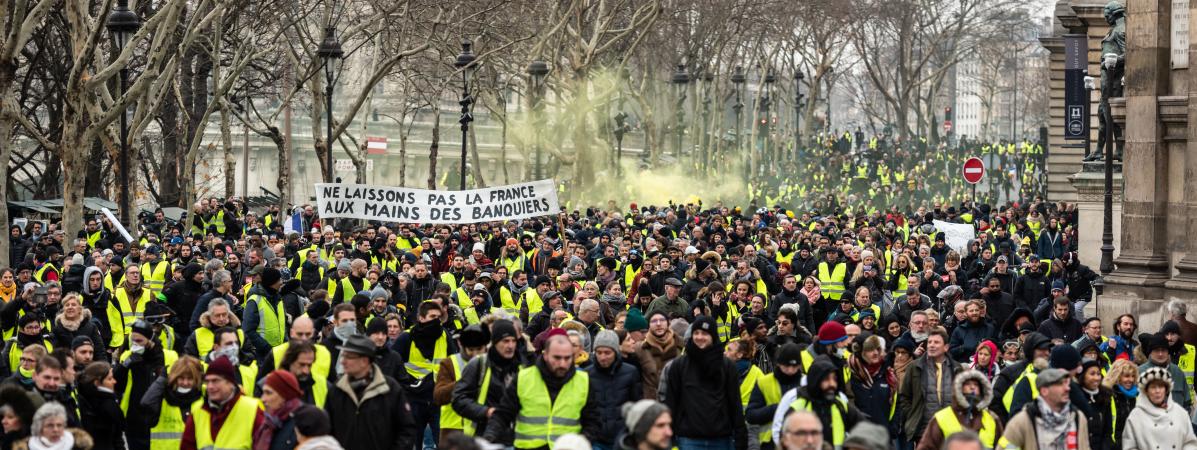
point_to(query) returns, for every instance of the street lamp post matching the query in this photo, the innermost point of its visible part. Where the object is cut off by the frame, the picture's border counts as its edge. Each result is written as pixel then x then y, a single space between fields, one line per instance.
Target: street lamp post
pixel 465 63
pixel 621 128
pixel 705 140
pixel 123 23
pixel 680 79
pixel 330 53
pixel 737 79
pixel 767 149
pixel 798 109
pixel 537 70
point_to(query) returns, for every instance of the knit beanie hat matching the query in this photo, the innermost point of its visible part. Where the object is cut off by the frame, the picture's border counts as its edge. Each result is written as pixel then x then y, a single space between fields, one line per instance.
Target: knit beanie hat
pixel 639 416
pixel 502 329
pixel 1064 357
pixel 607 338
pixel 284 383
pixel 832 332
pixel 1154 374
pixel 223 368
pixel 867 436
pixel 311 421
pixel 635 321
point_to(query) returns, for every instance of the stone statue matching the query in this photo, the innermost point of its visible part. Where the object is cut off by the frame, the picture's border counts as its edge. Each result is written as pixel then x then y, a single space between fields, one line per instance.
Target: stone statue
pixel 1113 66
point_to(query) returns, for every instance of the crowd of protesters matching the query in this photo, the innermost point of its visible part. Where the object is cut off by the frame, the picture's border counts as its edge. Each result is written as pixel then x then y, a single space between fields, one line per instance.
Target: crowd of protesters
pixel 639 327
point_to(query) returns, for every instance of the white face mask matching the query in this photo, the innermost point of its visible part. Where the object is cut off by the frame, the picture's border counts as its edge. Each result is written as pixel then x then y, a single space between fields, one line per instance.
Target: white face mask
pixel 345 330
pixel 232 352
pixel 183 390
pixel 840 352
pixel 136 348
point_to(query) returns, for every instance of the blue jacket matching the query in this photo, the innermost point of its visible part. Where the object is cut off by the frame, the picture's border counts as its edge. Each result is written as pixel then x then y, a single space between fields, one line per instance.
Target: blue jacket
pixel 967 336
pixel 615 385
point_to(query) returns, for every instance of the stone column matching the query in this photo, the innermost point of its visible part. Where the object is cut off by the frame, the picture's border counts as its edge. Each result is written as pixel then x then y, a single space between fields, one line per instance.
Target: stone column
pixel 1137 284
pixel 1186 278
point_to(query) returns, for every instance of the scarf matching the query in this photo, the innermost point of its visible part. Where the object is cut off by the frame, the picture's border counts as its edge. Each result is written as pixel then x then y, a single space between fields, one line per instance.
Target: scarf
pixel 1132 392
pixel 7 293
pixel 863 372
pixel 66 442
pixel 812 294
pixel 1051 419
pixel 274 421
pixel 662 345
pixel 900 367
pixel 709 360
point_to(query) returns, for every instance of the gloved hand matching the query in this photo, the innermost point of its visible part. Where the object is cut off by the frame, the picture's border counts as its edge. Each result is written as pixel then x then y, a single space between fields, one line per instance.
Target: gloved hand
pixel 1109 61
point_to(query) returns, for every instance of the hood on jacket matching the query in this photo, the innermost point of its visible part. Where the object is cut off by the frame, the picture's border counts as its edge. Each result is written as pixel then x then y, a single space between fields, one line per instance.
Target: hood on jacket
pixel 87 276
pixel 191 270
pixel 958 389
pixel 819 370
pixel 206 320
pixel 1008 325
pixel 1033 340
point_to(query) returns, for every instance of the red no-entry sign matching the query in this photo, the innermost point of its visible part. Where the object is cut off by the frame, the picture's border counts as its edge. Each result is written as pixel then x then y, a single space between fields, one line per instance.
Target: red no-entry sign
pixel 974 170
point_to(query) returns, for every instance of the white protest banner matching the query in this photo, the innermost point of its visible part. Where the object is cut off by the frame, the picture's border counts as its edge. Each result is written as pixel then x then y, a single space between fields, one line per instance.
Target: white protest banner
pixel 395 204
pixel 117 224
pixel 957 235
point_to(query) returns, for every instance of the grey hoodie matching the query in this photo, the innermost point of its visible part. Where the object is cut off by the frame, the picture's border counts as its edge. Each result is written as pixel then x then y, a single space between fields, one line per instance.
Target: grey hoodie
pixel 87 276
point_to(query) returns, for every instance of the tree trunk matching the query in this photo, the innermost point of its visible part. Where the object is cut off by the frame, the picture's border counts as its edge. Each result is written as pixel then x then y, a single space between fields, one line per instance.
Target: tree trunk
pixel 402 156
pixel 226 140
pixel 8 120
pixel 434 148
pixel 168 169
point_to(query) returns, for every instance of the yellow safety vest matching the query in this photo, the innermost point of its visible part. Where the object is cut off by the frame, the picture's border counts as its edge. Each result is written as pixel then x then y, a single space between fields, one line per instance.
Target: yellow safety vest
pixel 837 419
pixel 724 323
pixel 449 418
pixel 40 274
pixel 14 353
pixel 419 367
pixel 321 365
pixel 507 302
pixel 771 390
pixel 531 298
pixel 450 280
pixel 121 314
pixel 541 421
pixel 1186 363
pixel 469 428
pixel 514 264
pixel 832 283
pixel 748 383
pixel 154 277
pixel 92 239
pixel 168 434
pixel 272 321
pixel 237 432
pixel 1030 375
pixel 168 356
pixel 217 220
pixel 205 340
pixel 950 424
pixel 248 376
pixel 319 389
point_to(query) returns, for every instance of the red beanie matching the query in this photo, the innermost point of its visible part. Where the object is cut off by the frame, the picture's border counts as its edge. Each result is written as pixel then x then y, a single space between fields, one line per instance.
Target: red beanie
pixel 223 368
pixel 832 332
pixel 284 383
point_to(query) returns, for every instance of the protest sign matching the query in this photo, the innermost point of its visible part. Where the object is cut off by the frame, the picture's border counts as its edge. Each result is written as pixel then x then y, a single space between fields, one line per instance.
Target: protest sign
pixel 956 235
pixel 395 204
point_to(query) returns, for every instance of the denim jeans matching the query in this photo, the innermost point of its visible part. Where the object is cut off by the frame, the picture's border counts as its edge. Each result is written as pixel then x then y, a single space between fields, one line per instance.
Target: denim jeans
pixel 726 443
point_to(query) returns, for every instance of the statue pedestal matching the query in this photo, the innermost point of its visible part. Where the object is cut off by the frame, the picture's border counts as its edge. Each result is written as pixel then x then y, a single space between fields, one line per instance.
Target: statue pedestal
pixel 1090 186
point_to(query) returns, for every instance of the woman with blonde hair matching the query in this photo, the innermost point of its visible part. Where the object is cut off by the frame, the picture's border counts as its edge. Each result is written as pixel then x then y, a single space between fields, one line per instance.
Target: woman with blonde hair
pixel 73 320
pixel 169 399
pixel 1123 380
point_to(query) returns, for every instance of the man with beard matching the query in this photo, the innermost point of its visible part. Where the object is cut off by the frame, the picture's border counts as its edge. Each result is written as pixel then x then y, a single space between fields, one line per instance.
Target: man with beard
pixel 1061 327
pixel 967 335
pixel 218 316
pixel 546 400
pixel 998 303
pixel 299 359
pixel 659 348
pixel 927 386
pixel 476 401
pixel 310 272
pixel 1180 353
pixel 791 295
pixel 649 425
pixel 970 399
pixel 366 407
pixel 345 288
pixel 422 347
pixel 1122 344
pixel 703 387
pixel 913 301
pixel 765 397
pixel 1032 285
pixel 821 394
pixel 1036 349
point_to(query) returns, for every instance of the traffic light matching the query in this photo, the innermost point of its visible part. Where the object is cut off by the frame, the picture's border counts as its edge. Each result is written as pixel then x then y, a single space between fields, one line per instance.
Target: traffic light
pixel 947 113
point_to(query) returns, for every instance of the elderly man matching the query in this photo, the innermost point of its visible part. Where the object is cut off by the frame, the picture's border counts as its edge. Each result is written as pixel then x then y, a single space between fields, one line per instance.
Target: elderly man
pixel 802 431
pixel 225 418
pixel 368 409
pixel 218 316
pixel 671 303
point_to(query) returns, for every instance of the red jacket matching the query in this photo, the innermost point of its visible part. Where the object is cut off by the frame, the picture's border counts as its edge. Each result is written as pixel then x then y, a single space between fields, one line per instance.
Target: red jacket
pixel 218 418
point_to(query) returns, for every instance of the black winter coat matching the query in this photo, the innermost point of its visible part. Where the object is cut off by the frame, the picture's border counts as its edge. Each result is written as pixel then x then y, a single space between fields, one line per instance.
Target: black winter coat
pixel 1068 330
pixel 618 384
pixel 705 407
pixel 102 418
pixel 379 420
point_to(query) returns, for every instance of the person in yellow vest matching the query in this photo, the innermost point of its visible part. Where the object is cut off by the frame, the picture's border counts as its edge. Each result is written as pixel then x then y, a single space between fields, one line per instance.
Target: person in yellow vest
pixel 265 321
pixel 823 395
pixel 281 396
pixel 299 359
pixel 832 274
pixel 142 361
pixel 43 270
pixel 473 340
pixel 378 418
pixel 218 315
pixel 225 418
pixel 168 402
pixel 154 271
pixel 226 344
pixel 422 348
pixel 547 400
pixel 302 330
pixel 1180 353
pixel 969 411
pixel 128 305
pixel 763 400
pixel 483 380
pixel 343 289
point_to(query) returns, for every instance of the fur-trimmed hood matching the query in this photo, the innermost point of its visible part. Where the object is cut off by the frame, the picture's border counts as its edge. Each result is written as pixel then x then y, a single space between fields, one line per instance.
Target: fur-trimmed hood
pixel 958 389
pixel 83 441
pixel 206 320
pixel 61 319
